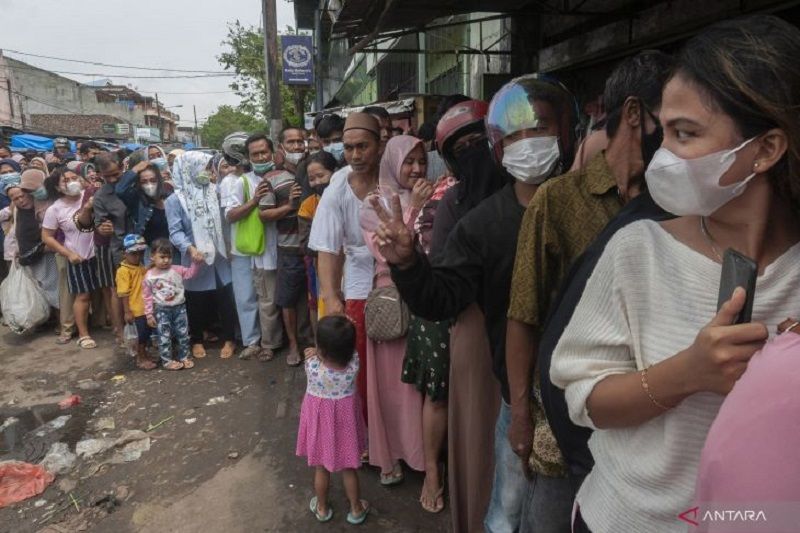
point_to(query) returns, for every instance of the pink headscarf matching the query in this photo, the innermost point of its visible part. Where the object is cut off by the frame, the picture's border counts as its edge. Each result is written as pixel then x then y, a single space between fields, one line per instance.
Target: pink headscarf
pixel 750 453
pixel 397 149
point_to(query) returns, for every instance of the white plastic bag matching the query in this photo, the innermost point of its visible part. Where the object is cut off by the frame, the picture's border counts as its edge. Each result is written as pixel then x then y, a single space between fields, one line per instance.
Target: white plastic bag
pixel 22 301
pixel 131 336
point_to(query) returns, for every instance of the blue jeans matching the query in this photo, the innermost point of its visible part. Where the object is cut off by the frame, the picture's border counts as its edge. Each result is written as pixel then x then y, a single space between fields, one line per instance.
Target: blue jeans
pixel 244 292
pixel 172 324
pixel 510 487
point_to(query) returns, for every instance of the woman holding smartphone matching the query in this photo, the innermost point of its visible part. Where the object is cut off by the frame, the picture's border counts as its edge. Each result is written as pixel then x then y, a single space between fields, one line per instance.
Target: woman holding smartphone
pixel 647 359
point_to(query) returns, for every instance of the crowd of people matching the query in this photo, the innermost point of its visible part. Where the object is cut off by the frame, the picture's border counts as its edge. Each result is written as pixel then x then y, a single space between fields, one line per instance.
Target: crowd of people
pixel 533 307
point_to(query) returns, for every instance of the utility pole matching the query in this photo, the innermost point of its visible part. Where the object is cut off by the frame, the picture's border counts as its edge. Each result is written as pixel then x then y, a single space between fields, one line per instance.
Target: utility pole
pixel 271 72
pixel 158 110
pixel 196 140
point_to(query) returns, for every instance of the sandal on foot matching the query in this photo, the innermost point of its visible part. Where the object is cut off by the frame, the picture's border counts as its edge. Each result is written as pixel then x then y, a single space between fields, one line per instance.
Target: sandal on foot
pixel 250 351
pixel 312 506
pixel 64 338
pixel 266 355
pixel 87 343
pixel 227 350
pixel 145 364
pixel 187 363
pixel 395 477
pixel 198 351
pixel 294 359
pixel 173 365
pixel 438 500
pixel 358 519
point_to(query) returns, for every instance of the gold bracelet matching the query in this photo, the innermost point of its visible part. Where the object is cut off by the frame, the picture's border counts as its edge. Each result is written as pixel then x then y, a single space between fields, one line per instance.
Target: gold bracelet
pixel 646 387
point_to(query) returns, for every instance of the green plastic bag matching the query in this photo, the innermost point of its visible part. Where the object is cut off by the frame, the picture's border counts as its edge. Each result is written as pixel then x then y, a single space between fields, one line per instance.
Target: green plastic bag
pixel 250 229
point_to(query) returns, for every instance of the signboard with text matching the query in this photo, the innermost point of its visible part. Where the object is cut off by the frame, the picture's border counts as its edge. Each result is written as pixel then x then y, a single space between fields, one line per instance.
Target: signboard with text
pixel 298 59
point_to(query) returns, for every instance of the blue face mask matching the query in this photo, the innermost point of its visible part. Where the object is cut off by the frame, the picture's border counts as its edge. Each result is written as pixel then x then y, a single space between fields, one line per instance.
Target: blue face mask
pixel 263 168
pixel 40 194
pixel 160 162
pixel 336 150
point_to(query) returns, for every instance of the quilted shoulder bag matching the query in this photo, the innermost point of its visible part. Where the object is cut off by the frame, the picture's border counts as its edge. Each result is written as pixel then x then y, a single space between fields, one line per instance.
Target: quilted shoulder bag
pixel 386 315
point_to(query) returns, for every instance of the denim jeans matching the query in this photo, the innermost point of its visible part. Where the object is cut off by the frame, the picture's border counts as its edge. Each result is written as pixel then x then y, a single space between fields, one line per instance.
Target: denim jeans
pixel 172 324
pixel 510 487
pixel 548 505
pixel 244 292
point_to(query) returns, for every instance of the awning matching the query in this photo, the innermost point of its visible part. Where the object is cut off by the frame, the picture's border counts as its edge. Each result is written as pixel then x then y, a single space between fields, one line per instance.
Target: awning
pixel 359 18
pixel 395 108
pixel 25 141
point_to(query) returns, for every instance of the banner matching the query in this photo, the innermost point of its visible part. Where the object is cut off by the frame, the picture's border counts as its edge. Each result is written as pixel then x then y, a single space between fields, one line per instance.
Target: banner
pixel 298 59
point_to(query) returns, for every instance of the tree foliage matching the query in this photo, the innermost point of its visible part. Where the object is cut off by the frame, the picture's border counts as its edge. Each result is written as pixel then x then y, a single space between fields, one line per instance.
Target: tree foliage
pixel 245 56
pixel 225 121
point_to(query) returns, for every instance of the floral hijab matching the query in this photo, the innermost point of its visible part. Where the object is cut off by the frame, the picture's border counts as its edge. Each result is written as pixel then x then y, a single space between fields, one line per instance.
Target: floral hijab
pixel 199 200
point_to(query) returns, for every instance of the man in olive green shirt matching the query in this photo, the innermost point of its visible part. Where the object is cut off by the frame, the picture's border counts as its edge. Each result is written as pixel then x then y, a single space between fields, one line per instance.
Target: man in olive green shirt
pixel 565 216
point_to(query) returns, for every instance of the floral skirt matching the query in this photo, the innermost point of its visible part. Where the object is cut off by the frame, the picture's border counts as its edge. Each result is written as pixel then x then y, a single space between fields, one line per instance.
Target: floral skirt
pixel 427 361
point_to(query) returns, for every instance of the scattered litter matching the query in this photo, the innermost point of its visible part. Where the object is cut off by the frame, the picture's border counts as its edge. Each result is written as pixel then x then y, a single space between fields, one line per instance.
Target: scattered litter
pixel 233 455
pixel 74 502
pixel 8 422
pixel 59 460
pixel 291 485
pixel 107 501
pixel 151 428
pixel 66 485
pixel 20 481
pixel 56 423
pixel 105 424
pixel 217 399
pixel 88 384
pixel 119 378
pixel 190 420
pixel 132 451
pixel 122 492
pixel 39 503
pixel 91 447
pixel 71 401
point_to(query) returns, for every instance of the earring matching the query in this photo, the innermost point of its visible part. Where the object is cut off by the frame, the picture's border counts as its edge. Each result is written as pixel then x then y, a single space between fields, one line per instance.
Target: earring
pixel 755 166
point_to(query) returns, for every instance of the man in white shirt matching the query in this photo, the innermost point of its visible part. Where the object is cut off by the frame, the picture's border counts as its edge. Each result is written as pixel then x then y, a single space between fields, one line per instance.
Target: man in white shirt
pixel 336 231
pixel 255 275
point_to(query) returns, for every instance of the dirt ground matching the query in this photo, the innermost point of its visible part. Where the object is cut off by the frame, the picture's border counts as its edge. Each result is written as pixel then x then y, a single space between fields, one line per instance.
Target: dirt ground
pixel 221 454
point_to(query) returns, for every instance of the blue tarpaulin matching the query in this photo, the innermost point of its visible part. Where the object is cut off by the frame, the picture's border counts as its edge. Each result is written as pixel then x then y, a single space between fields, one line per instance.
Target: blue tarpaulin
pixel 188 146
pixel 25 141
pixel 132 146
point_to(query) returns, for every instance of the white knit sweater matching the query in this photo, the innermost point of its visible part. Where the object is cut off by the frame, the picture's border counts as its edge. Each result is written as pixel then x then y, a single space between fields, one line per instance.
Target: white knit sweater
pixel 646 300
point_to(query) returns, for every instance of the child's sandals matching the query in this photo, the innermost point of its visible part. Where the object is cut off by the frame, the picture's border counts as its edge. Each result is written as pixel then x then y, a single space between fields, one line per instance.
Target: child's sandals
pixel 87 343
pixel 173 365
pixel 188 363
pixel 312 506
pixel 358 519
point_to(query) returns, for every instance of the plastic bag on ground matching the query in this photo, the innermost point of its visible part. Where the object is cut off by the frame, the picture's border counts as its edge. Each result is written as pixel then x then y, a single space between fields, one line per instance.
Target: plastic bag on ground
pixel 20 481
pixel 59 460
pixel 23 303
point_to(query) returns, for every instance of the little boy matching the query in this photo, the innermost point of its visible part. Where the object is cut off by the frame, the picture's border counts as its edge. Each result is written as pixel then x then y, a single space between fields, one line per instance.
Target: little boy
pixel 130 275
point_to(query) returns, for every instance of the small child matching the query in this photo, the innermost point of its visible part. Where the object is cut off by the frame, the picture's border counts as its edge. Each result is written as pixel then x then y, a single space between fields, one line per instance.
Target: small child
pixel 165 304
pixel 130 276
pixel 331 433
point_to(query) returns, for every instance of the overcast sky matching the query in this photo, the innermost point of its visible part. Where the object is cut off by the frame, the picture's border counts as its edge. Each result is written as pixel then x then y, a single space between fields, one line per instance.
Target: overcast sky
pixel 173 34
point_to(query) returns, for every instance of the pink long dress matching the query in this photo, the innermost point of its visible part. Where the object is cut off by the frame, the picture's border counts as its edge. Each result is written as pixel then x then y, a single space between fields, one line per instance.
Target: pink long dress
pixel 395 408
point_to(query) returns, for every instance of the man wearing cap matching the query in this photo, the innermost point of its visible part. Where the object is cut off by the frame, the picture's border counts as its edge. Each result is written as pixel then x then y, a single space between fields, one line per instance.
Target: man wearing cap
pixel 336 231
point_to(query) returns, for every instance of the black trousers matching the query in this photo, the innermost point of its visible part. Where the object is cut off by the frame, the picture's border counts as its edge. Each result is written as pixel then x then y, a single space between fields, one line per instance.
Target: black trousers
pixel 207 307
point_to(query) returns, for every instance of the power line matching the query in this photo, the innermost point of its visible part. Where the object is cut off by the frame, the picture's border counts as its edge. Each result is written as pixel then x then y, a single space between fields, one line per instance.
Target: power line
pixel 106 75
pixel 97 63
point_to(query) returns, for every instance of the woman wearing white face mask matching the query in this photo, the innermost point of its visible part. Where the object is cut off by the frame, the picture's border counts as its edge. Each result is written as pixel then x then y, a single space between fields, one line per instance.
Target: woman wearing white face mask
pixel 142 189
pixel 78 247
pixel 647 359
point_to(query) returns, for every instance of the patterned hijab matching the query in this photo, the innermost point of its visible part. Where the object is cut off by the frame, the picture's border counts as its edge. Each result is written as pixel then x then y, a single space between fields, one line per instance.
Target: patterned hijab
pixel 200 202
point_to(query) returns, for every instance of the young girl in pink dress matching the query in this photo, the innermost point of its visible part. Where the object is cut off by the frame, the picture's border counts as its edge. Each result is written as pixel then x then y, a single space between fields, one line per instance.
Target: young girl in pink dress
pixel 331 433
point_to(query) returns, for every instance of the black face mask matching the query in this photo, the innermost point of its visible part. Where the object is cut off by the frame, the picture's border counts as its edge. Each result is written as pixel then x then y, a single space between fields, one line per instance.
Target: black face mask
pixel 319 189
pixel 650 141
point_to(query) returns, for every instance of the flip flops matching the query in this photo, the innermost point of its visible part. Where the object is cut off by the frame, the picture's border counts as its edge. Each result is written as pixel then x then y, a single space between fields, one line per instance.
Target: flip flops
pixel 312 506
pixel 358 520
pixel 395 477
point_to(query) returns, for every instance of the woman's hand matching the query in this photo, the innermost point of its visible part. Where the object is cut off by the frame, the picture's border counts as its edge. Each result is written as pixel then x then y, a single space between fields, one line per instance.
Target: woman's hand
pixel 421 193
pixel 141 165
pixel 393 238
pixel 196 255
pixel 720 352
pixel 106 228
pixel 74 258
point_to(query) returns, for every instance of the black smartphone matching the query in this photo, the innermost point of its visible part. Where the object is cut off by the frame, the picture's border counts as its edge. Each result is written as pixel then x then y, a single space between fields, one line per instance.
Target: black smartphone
pixel 738 271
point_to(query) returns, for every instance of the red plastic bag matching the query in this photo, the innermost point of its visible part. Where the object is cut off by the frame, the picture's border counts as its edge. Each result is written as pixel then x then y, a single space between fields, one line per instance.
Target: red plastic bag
pixel 71 401
pixel 20 481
